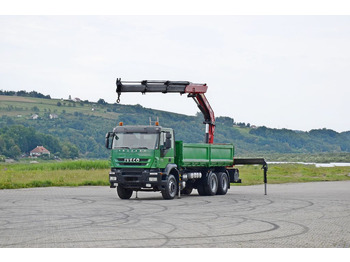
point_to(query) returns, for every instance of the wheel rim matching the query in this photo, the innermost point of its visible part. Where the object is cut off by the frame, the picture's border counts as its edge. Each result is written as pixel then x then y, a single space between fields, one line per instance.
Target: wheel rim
pixel 224 182
pixel 213 183
pixel 172 187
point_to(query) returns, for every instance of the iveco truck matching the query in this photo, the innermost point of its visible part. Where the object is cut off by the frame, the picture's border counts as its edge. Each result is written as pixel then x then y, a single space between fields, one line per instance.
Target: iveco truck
pixel 148 158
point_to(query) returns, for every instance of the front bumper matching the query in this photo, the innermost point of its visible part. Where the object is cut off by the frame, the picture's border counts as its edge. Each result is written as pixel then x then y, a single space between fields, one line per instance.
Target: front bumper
pixel 136 178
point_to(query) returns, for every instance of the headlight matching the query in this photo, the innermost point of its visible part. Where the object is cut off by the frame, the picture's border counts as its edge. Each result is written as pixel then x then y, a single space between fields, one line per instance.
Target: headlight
pixel 153 179
pixel 112 178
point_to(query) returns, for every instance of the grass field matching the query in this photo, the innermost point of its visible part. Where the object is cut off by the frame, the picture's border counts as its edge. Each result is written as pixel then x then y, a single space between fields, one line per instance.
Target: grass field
pixel 340 157
pixel 293 173
pixel 68 173
pixel 16 105
pixel 88 172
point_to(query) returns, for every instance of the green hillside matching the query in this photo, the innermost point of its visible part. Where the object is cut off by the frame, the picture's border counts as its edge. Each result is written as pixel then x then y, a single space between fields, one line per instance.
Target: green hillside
pixel 84 125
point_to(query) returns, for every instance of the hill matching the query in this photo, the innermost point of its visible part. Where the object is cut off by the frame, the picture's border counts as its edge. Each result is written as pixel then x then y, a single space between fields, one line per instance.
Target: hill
pixel 84 124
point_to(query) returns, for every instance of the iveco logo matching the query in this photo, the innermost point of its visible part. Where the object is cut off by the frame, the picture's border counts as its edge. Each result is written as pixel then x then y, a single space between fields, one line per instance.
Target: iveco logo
pixel 131 159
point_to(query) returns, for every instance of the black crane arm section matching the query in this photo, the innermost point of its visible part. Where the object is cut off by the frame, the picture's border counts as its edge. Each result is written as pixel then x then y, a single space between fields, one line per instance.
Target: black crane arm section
pixel 196 91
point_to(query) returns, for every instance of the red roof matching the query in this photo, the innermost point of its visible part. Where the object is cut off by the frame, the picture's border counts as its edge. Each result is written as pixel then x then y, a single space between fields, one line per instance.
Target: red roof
pixel 40 149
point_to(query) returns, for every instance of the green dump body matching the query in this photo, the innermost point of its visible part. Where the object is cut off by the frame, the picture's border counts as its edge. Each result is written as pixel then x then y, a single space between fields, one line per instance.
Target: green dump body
pixel 203 155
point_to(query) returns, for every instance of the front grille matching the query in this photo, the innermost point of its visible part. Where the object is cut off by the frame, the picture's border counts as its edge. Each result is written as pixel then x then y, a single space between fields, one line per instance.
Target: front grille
pixel 131 179
pixel 132 161
pixel 132 164
pixel 132 173
pixel 132 176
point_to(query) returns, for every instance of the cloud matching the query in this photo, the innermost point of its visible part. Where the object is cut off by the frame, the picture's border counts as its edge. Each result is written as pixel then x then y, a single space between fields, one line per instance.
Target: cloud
pixel 279 71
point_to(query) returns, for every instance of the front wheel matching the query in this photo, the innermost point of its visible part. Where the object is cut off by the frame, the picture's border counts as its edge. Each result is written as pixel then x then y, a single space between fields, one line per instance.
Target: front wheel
pixel 124 193
pixel 171 188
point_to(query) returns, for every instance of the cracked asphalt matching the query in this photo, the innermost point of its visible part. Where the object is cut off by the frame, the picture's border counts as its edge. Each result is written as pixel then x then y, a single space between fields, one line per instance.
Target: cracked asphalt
pixel 291 215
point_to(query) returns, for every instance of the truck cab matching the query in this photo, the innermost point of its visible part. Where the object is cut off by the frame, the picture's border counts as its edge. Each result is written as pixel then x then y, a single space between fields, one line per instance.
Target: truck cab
pixel 142 158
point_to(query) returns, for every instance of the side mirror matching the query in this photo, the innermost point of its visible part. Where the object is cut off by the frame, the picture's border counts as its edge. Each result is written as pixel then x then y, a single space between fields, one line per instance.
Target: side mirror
pixel 108 143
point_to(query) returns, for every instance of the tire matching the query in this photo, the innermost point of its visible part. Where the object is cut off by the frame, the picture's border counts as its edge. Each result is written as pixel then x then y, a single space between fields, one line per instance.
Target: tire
pixel 170 190
pixel 211 185
pixel 124 193
pixel 223 183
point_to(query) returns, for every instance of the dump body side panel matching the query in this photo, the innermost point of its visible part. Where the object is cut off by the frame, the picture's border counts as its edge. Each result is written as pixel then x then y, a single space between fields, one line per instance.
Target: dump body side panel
pixel 203 155
pixel 221 154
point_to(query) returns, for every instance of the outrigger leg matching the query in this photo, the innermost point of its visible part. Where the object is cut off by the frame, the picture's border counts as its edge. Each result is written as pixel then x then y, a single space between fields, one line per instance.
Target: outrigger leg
pixel 254 161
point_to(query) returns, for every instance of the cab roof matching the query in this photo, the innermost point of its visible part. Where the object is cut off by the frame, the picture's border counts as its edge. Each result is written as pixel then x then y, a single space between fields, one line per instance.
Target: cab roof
pixel 138 129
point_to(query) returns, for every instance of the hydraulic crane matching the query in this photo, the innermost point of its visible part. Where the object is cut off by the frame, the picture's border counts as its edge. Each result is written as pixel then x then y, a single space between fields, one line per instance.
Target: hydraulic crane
pixel 196 91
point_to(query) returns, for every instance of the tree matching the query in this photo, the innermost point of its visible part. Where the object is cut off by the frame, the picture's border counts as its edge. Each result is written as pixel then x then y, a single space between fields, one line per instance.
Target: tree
pixel 2 146
pixel 35 109
pixel 69 151
pixel 14 151
pixel 101 101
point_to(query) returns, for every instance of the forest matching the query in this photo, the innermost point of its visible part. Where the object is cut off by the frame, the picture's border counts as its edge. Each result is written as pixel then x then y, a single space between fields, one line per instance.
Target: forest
pixel 24 94
pixel 17 140
pixel 77 129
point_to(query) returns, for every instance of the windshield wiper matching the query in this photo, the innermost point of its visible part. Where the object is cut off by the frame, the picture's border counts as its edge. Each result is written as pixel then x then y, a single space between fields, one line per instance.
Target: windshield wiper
pixel 125 147
pixel 141 147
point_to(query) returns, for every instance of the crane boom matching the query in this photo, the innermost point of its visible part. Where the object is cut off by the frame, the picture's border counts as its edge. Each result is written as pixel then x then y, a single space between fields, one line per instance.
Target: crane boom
pixel 194 90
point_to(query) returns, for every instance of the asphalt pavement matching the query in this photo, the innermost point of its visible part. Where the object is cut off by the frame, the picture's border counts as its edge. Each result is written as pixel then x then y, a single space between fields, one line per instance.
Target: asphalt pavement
pixel 291 215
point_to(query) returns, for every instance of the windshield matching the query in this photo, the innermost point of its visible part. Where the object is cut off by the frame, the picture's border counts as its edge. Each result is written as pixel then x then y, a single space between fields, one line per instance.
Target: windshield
pixel 135 141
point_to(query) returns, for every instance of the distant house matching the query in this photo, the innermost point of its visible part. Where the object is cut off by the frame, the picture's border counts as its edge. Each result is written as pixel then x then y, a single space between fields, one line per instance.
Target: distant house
pixel 76 99
pixel 53 116
pixel 34 117
pixel 39 151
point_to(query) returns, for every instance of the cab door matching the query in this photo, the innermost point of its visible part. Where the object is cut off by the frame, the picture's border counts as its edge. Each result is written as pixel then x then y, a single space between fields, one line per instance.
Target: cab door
pixel 167 148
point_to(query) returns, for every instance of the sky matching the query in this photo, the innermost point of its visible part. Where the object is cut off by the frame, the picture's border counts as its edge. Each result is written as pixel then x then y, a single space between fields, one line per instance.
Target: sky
pixel 279 71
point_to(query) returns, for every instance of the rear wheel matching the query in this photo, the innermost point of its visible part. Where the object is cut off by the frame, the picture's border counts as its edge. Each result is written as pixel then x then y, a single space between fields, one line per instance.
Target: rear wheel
pixel 171 188
pixel 223 183
pixel 124 193
pixel 211 184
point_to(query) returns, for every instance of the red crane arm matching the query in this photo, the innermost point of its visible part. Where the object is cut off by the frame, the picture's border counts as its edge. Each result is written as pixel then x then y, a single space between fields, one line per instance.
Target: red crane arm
pixel 208 113
pixel 209 118
pixel 196 88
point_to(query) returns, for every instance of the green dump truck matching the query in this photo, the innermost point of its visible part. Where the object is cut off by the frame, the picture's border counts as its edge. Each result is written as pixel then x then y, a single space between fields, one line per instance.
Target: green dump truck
pixel 147 158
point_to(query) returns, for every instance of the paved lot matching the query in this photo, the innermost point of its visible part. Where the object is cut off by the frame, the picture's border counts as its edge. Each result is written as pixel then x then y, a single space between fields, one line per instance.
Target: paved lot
pixel 291 215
